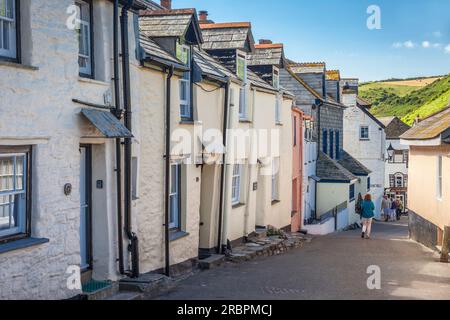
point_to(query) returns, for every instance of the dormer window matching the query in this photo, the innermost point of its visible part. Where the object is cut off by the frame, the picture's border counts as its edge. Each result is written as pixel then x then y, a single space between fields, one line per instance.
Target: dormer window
pixel 241 67
pixel 184 55
pixel 85 44
pixel 8 29
pixel 276 79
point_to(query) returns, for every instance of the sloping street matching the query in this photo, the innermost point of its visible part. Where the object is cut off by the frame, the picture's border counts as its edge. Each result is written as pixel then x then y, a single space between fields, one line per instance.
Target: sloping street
pixel 330 267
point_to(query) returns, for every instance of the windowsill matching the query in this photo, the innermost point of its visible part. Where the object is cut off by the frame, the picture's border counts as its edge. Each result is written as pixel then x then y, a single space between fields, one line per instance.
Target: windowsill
pixel 93 81
pixel 361 139
pixel 274 202
pixel 21 244
pixel 352 200
pixel 237 205
pixel 6 63
pixel 187 122
pixel 245 121
pixel 176 235
pixel 279 124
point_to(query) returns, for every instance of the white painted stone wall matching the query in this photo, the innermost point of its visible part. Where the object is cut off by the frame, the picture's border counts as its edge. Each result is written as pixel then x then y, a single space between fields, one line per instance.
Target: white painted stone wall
pixel 393 168
pixel 370 152
pixel 309 169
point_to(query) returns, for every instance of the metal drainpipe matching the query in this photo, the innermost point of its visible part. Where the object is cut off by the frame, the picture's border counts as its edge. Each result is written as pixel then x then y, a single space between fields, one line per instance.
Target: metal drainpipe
pixel 222 169
pixel 118 141
pixel 318 152
pixel 133 246
pixel 167 172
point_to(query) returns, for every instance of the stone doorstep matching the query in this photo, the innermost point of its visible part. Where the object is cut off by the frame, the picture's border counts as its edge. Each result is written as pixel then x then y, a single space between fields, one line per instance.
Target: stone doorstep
pixel 103 293
pixel 211 262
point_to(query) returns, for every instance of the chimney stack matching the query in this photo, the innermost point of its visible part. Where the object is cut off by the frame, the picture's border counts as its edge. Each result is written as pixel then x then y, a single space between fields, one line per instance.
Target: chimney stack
pixel 265 41
pixel 167 4
pixel 202 16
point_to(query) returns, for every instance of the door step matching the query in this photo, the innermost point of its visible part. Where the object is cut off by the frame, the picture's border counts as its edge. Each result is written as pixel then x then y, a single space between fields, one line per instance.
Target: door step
pixel 211 262
pixel 149 285
pixel 99 290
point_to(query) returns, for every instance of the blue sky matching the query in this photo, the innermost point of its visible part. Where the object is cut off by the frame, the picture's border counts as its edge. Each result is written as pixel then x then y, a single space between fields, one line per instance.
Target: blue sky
pixel 414 39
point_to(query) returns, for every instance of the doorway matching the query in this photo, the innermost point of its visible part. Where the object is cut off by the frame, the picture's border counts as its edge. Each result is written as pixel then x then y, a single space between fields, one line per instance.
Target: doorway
pixel 86 211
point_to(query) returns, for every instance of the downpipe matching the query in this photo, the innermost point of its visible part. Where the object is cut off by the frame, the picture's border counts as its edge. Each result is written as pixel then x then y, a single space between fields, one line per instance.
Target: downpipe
pixel 133 246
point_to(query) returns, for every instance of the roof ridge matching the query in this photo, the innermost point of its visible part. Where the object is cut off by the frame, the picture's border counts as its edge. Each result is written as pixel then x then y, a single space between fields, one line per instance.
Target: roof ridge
pixel 269 46
pixel 225 25
pixel 146 13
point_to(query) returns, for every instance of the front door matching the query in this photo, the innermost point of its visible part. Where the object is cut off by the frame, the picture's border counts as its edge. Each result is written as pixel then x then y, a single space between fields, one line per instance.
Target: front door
pixel 85 208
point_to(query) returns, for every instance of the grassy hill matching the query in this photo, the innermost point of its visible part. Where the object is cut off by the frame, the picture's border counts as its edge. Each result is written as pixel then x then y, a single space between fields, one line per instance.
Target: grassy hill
pixel 407 98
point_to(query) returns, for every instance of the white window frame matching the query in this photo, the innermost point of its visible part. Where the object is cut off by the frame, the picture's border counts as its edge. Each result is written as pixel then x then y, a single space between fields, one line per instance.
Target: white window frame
pixel 175 221
pixel 243 110
pixel 439 180
pixel 361 137
pixel 85 26
pixel 185 104
pixel 277 109
pixel 11 21
pixel 276 78
pixel 399 177
pixel 275 178
pixel 14 192
pixel 236 184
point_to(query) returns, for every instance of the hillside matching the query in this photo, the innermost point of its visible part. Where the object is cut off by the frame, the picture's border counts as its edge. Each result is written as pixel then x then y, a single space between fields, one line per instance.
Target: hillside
pixel 407 98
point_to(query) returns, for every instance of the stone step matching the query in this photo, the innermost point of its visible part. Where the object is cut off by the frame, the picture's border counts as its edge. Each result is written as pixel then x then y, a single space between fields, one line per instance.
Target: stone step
pixel 149 285
pixel 260 233
pixel 103 293
pixel 211 262
pixel 126 296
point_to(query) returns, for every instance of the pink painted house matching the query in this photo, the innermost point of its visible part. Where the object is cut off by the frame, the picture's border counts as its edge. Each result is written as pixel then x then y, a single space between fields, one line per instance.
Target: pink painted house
pixel 297 170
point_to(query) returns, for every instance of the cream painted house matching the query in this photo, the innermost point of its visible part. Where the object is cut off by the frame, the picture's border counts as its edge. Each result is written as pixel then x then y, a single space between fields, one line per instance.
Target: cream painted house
pixel 429 180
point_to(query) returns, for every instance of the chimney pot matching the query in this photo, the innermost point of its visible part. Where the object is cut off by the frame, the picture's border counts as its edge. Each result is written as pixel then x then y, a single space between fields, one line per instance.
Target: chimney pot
pixel 203 15
pixel 265 41
pixel 166 4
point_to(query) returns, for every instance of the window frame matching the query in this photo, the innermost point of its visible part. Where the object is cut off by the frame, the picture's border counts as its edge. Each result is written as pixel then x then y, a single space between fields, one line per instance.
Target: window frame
pixel 27 150
pixel 243 109
pixel 90 75
pixel 439 177
pixel 276 76
pixel 236 200
pixel 352 190
pixel 187 79
pixel 331 133
pixel 275 194
pixel 17 21
pixel 294 124
pixel 361 137
pixel 277 109
pixel 338 145
pixel 176 224
pixel 325 141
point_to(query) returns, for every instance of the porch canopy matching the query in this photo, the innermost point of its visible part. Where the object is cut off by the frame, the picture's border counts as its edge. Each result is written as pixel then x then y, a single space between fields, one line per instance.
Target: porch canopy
pixel 106 123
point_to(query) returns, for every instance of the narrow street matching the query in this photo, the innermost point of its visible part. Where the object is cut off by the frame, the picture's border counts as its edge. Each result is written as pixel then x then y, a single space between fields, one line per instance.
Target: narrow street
pixel 330 267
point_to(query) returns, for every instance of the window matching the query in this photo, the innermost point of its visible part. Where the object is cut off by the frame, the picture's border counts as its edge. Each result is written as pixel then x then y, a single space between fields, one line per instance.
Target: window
pixel 368 183
pixel 241 67
pixel 276 79
pixel 399 180
pixel 338 145
pixel 85 38
pixel 294 124
pixel 236 184
pixel 184 55
pixel 243 114
pixel 14 192
pixel 325 141
pixel 275 175
pixel 134 178
pixel 175 197
pixel 277 110
pixel 331 144
pixel 439 178
pixel 8 29
pixel 352 192
pixel 364 133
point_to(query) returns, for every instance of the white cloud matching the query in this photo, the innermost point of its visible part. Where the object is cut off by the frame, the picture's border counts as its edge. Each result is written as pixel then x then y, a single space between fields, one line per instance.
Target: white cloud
pixel 447 49
pixel 437 45
pixel 437 34
pixel 426 44
pixel 397 45
pixel 409 44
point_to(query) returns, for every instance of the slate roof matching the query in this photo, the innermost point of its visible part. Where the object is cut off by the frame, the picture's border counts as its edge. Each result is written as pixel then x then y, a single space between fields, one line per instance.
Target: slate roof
pixel 394 127
pixel 363 103
pixel 334 75
pixel 371 116
pixel 329 170
pixel 431 127
pixel 256 81
pixel 353 165
pixel 155 52
pixel 307 67
pixel 211 67
pixel 234 35
pixel 267 54
pixel 168 23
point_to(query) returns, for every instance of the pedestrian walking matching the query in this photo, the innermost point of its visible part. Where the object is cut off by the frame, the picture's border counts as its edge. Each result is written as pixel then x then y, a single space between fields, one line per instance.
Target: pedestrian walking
pixel 386 208
pixel 394 206
pixel 399 209
pixel 368 208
